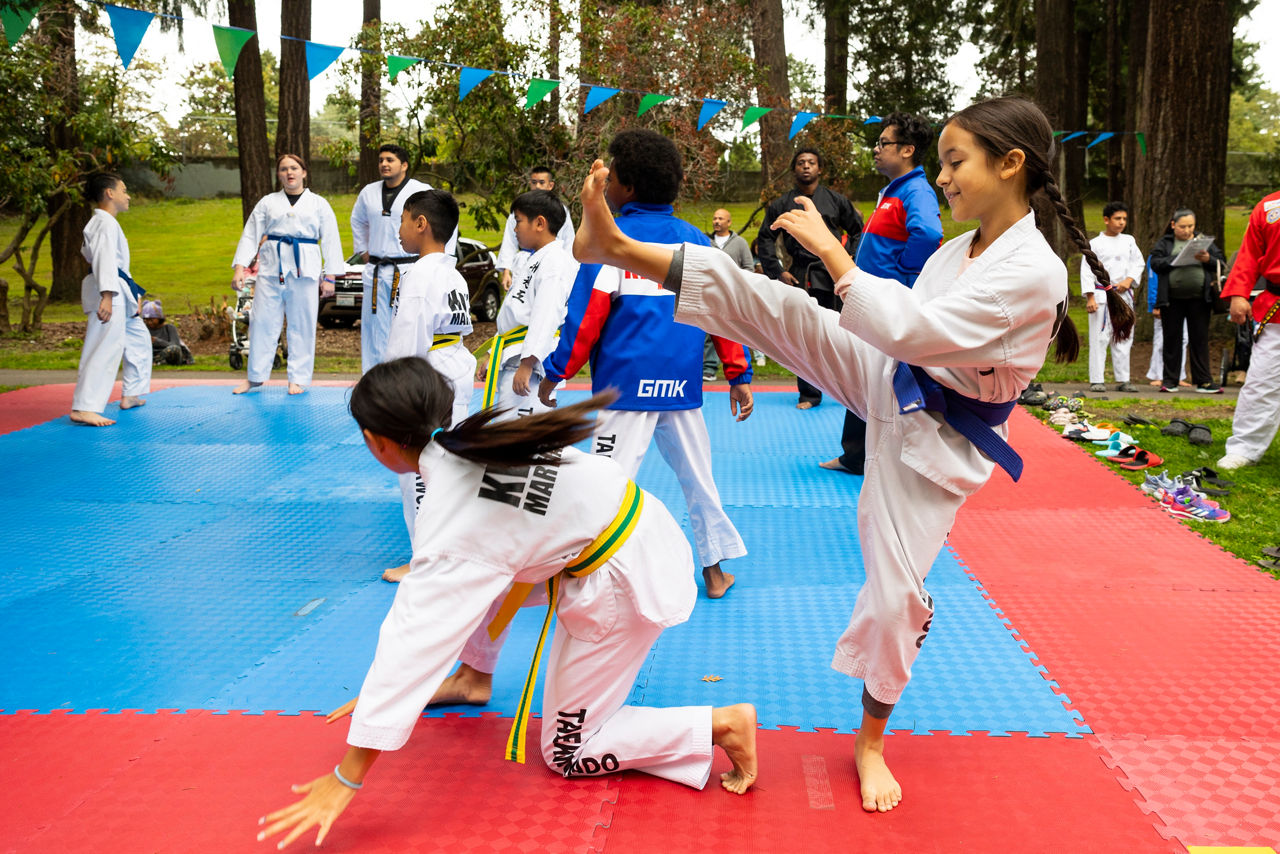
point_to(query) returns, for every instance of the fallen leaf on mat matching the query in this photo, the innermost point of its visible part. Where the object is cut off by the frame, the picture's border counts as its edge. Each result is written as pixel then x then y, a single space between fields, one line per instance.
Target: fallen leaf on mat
pixel 711 678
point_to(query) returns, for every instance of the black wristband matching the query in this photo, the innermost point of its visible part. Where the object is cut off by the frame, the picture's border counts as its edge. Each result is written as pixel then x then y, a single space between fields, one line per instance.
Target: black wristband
pixel 675 273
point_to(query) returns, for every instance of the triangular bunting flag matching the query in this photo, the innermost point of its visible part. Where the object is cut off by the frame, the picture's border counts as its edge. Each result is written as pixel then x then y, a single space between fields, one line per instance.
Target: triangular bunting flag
pixel 1142 140
pixel 651 100
pixel 753 115
pixel 320 57
pixel 1073 135
pixel 597 96
pixel 470 79
pixel 710 107
pixel 230 41
pixel 128 26
pixel 16 20
pixel 539 89
pixel 396 64
pixel 1058 133
pixel 870 120
pixel 1102 137
pixel 798 123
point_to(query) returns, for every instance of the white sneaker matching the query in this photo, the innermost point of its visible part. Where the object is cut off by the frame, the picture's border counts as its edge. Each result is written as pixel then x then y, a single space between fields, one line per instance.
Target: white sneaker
pixel 1233 461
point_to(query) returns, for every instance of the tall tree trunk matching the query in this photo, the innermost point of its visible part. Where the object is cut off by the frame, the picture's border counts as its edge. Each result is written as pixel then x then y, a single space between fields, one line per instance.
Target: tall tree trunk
pixel 555 23
pixel 1073 188
pixel 370 135
pixel 1117 106
pixel 58 26
pixel 293 134
pixel 1187 106
pixel 774 90
pixel 836 65
pixel 251 112
pixel 1136 119
pixel 1055 64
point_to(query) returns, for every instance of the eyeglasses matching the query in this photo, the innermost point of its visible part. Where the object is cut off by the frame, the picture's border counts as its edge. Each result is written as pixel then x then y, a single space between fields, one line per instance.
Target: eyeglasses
pixel 885 143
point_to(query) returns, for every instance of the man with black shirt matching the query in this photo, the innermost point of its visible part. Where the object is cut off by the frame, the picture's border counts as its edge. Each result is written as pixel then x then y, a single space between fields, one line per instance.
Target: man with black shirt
pixel 806 270
pixel 375 229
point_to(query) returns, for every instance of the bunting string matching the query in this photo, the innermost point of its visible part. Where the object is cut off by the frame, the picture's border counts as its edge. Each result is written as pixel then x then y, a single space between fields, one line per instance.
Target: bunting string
pixel 129 27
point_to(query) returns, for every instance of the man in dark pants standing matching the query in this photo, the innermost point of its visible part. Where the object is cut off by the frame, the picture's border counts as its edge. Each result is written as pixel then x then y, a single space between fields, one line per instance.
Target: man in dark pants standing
pixel 903 231
pixel 805 270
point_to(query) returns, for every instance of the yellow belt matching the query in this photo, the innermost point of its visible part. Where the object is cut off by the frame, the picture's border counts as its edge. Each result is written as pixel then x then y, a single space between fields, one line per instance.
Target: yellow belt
pixel 498 343
pixel 440 341
pixel 594 556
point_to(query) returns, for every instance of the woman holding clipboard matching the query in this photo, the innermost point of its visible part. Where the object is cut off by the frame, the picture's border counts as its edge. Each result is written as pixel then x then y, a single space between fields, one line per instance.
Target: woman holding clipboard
pixel 1187 264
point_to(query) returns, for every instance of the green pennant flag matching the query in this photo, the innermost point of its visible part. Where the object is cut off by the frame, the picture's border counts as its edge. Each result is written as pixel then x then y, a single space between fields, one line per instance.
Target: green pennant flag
pixel 1058 133
pixel 1142 141
pixel 754 115
pixel 16 20
pixel 651 100
pixel 230 41
pixel 539 89
pixel 396 64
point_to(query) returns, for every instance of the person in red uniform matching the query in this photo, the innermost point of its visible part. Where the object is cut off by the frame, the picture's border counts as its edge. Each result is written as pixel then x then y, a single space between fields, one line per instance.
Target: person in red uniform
pixel 1258 409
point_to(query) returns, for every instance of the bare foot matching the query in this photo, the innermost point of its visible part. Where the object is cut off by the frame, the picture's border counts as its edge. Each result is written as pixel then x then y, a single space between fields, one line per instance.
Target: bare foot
pixel 465 685
pixel 717 580
pixel 130 402
pixel 90 419
pixel 836 465
pixel 594 238
pixel 804 404
pixel 880 791
pixel 733 728
pixel 247 385
pixel 294 388
pixel 396 573
pixel 1156 383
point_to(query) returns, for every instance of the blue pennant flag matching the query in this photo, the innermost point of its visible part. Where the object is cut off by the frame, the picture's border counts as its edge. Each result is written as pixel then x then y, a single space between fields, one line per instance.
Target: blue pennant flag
pixel 1102 137
pixel 710 107
pixel 871 120
pixel 597 96
pixel 128 26
pixel 798 123
pixel 470 79
pixel 320 57
pixel 1072 136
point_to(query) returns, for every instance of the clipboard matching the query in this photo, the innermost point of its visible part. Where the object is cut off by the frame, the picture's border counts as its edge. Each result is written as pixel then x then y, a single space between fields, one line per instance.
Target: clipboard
pixel 1187 257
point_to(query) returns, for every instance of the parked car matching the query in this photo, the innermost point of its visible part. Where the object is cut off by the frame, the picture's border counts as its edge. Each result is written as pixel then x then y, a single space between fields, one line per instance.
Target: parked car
pixel 475 263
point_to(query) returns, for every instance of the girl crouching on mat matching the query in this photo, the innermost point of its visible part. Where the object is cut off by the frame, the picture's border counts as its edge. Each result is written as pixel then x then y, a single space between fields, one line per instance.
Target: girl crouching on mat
pixel 933 369
pixel 522 507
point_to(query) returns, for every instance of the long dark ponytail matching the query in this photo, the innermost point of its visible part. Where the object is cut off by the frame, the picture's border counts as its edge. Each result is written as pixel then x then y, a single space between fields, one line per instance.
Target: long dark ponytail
pixel 1003 124
pixel 407 400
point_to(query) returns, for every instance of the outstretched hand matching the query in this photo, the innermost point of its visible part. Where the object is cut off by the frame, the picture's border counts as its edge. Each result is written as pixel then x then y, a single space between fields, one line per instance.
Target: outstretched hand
pixel 325 799
pixel 807 226
pixel 597 231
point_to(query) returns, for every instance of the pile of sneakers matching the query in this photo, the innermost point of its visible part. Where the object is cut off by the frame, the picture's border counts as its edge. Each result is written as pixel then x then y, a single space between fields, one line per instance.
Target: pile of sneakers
pixel 1117 446
pixel 1183 496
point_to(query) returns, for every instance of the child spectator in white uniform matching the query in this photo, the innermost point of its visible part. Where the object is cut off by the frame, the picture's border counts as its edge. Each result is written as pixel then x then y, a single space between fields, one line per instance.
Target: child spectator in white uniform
pixel 616 563
pixel 109 297
pixel 1120 254
pixel 431 318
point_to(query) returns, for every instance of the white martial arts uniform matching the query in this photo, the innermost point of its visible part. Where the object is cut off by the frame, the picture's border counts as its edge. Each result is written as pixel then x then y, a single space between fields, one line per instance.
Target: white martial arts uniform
pixel 1122 259
pixel 538 299
pixel 432 300
pixel 981 331
pixel 1155 370
pixel 124 335
pixel 497 526
pixel 288 278
pixel 376 230
pixel 509 252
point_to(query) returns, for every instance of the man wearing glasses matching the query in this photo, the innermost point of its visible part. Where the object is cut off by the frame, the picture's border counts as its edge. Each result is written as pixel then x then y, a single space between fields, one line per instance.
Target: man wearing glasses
pixel 806 270
pixel 903 231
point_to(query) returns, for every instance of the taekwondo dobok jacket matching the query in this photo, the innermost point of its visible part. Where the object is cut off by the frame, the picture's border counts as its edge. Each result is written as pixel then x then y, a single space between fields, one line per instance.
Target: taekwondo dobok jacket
pixel 432 301
pixel 538 299
pixel 1121 258
pixel 107 252
pixel 309 217
pixel 510 249
pixel 623 324
pixel 481 530
pixel 378 233
pixel 904 229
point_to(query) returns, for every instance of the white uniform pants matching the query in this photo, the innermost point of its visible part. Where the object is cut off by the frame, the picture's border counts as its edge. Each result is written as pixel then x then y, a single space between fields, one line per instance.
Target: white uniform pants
pixel 681 435
pixel 518 406
pixel 295 298
pixel 1258 408
pixel 104 346
pixel 1155 371
pixel 586 729
pixel 459 368
pixel 1101 337
pixel 374 327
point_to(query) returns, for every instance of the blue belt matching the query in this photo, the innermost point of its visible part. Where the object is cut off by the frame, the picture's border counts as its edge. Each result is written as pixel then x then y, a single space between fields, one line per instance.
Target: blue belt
pixel 138 290
pixel 971 418
pixel 297 253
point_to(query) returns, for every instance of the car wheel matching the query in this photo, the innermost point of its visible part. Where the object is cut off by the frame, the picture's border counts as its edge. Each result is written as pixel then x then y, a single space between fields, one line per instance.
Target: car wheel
pixel 489 304
pixel 236 360
pixel 328 321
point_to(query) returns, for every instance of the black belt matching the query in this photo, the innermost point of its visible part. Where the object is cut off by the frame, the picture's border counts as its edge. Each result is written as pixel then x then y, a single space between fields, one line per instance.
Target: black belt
pixel 380 262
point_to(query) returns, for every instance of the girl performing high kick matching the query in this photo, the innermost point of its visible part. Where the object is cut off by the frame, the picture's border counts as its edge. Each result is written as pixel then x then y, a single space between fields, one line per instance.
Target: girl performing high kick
pixel 934 369
pixel 618 570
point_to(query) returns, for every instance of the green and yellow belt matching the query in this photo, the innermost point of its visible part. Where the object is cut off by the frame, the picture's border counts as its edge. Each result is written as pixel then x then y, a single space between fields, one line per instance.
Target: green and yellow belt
pixel 497 345
pixel 594 556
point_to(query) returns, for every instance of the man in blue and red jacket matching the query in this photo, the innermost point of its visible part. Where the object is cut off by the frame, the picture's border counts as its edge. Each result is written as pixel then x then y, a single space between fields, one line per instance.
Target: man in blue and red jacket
pixel 623 324
pixel 903 231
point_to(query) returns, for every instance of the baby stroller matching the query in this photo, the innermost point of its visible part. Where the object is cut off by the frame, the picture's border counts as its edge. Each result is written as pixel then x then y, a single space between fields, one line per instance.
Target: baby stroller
pixel 238 319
